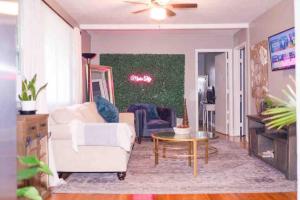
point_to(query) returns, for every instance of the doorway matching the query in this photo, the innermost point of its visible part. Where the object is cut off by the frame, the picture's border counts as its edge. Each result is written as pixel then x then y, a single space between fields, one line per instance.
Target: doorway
pixel 214 90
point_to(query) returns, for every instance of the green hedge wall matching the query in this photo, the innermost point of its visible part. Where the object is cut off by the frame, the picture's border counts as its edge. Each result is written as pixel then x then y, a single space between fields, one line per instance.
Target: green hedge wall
pixel 166 89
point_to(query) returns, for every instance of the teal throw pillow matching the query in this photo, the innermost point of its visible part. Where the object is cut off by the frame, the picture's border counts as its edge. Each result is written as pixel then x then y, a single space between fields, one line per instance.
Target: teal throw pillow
pixel 107 110
pixel 152 111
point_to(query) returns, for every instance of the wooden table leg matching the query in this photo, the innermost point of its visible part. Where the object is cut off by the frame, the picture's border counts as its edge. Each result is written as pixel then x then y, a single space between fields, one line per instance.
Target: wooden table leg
pixel 164 151
pixel 206 152
pixel 156 151
pixel 190 153
pixel 207 120
pixel 195 158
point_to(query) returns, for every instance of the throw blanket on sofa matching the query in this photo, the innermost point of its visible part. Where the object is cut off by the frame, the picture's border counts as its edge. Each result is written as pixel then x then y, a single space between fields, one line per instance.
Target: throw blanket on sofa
pixel 101 134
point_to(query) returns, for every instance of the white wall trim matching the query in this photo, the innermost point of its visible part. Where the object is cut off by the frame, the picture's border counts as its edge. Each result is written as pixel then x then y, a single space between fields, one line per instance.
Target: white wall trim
pixel 297 29
pixel 236 73
pixel 161 26
pixel 229 51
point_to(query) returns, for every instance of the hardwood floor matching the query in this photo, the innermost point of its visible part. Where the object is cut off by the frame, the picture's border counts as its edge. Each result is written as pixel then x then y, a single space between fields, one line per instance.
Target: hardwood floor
pixel 252 196
pixel 243 196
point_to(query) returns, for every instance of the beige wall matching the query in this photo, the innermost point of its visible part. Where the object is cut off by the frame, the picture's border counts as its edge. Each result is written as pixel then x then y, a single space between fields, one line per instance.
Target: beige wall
pixel 240 37
pixel 165 42
pixel 277 19
pixel 85 41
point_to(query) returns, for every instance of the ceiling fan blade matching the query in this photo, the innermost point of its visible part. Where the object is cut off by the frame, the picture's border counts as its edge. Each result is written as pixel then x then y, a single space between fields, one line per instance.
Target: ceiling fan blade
pixel 154 2
pixel 170 13
pixel 136 2
pixel 140 11
pixel 184 5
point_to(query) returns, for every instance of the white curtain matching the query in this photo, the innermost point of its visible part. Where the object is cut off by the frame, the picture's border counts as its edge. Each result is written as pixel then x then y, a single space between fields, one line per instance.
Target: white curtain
pixel 51 49
pixel 77 81
pixel 31 46
pixel 58 55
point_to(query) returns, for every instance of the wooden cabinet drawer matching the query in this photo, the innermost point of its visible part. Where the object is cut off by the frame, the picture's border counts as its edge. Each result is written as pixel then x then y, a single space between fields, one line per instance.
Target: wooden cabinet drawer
pixel 32 147
pixel 42 128
pixel 32 133
pixel 44 145
pixel 31 129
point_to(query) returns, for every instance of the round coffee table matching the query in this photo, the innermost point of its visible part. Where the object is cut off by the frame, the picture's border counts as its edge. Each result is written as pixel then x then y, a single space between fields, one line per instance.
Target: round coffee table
pixel 191 139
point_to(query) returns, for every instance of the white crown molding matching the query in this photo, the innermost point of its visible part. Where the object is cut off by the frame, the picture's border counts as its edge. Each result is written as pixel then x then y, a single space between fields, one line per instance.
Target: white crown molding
pixel 161 26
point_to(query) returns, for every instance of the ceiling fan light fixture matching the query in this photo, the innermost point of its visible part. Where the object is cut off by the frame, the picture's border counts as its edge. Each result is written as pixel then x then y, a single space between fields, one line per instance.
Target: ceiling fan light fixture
pixel 163 2
pixel 158 13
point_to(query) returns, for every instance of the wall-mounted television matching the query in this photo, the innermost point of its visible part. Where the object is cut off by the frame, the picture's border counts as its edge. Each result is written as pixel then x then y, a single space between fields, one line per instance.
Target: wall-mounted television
pixel 282 50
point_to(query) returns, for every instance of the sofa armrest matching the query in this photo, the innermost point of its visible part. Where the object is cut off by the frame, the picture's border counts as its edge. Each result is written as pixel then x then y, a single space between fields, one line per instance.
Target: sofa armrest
pixel 140 122
pixel 127 117
pixel 167 114
pixel 60 131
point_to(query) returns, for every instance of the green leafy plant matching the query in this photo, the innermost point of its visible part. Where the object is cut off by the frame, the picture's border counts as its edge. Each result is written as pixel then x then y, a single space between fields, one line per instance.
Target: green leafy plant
pixel 29 92
pixel 284 114
pixel 34 167
pixel 166 88
pixel 268 102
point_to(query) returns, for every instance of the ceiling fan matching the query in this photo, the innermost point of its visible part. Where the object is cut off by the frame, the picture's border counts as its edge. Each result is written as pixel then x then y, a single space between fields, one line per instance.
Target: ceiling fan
pixel 160 9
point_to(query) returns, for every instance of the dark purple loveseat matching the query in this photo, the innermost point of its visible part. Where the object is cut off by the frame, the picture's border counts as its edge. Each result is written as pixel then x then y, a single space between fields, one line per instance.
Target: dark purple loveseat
pixel 150 118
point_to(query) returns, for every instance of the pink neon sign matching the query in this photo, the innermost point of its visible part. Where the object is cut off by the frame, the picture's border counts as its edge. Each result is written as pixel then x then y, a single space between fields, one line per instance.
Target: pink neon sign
pixel 137 78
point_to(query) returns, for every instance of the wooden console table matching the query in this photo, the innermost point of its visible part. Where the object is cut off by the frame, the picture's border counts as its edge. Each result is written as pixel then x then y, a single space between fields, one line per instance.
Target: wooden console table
pixel 283 144
pixel 32 138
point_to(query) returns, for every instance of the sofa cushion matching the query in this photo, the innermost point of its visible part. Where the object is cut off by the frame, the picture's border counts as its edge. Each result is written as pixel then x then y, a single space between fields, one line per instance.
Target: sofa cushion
pixel 158 123
pixel 66 115
pixel 107 110
pixel 151 110
pixel 90 113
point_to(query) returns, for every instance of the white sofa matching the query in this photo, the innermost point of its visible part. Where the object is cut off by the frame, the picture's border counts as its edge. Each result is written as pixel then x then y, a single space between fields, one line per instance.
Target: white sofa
pixel 87 158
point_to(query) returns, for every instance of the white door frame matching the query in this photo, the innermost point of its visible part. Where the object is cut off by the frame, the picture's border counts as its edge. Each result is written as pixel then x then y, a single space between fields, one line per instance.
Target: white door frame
pixel 297 28
pixel 230 66
pixel 236 75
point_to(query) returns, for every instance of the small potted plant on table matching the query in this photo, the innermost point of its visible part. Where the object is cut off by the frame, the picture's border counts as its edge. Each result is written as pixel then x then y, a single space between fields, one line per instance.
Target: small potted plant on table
pixel 29 95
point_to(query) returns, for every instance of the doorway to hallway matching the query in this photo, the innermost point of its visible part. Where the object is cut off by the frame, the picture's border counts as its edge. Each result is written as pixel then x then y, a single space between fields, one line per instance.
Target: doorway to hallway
pixel 214 90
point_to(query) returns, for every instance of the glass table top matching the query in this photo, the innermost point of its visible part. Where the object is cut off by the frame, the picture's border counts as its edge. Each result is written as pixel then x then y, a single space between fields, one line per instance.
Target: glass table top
pixel 200 135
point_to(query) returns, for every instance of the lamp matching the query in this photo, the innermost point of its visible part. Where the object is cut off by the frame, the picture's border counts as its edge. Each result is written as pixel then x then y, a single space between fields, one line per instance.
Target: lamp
pixel 88 57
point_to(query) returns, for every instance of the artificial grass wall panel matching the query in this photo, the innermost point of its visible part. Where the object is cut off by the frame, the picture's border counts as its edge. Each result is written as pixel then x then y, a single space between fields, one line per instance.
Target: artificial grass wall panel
pixel 166 70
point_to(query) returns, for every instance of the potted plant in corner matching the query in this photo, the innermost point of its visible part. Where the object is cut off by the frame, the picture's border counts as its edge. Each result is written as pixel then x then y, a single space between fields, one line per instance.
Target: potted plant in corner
pixel 29 95
pixel 31 167
pixel 284 113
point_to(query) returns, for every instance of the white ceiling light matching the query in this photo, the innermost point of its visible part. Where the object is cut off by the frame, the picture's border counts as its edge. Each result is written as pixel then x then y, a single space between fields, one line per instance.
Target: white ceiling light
pixel 158 13
pixel 9 8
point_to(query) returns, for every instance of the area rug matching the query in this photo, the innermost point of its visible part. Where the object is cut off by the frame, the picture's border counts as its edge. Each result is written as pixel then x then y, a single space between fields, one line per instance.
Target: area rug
pixel 231 170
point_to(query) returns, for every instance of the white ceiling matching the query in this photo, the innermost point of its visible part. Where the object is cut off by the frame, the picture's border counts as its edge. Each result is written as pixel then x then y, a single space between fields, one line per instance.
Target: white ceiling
pixel 208 12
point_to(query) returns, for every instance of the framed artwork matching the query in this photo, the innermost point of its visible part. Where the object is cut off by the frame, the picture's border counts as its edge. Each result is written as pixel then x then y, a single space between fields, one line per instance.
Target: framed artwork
pixel 101 83
pixel 259 72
